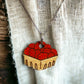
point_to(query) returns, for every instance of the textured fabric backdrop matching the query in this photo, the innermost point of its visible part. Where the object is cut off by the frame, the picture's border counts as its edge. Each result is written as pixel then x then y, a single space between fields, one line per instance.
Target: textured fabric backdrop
pixel 66 35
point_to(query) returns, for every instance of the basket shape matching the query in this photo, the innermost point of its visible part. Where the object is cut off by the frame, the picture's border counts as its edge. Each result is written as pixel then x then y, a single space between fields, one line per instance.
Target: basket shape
pixel 39 58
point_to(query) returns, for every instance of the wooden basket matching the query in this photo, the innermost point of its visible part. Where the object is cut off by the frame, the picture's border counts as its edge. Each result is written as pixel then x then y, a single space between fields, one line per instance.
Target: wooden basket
pixel 39 64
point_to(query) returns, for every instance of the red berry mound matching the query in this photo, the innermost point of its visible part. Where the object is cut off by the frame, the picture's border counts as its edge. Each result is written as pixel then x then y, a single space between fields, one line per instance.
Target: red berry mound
pixel 42 56
pixel 26 51
pixel 46 50
pixel 32 52
pixel 35 51
pixel 54 51
pixel 51 55
pixel 47 46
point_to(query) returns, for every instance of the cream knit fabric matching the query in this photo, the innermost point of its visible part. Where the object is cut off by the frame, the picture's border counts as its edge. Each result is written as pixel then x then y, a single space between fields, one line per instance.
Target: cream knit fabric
pixel 66 35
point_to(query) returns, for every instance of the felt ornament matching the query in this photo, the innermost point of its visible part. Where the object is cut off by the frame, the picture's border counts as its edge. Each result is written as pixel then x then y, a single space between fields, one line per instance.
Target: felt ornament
pixel 40 58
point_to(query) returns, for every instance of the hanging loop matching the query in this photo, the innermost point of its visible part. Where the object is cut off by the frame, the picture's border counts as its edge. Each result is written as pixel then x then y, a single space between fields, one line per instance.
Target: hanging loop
pixel 41 38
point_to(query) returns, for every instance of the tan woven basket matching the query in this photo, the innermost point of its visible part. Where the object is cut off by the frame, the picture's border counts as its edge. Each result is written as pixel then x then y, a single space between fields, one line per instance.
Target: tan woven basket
pixel 39 64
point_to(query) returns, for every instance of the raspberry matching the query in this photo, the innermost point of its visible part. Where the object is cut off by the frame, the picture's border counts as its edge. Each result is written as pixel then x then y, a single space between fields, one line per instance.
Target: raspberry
pixel 37 45
pixel 37 52
pixel 26 51
pixel 47 46
pixel 32 52
pixel 42 56
pixel 50 54
pixel 54 51
pixel 46 50
pixel 32 45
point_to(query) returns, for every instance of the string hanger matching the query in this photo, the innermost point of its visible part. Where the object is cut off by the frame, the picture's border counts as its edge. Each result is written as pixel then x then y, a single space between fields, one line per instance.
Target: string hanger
pixel 21 1
pixel 41 38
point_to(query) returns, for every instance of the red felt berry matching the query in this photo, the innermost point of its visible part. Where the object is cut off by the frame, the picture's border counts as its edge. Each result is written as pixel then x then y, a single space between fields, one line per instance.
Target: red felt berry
pixel 26 51
pixel 42 49
pixel 47 46
pixel 32 52
pixel 32 45
pixel 50 55
pixel 42 56
pixel 45 50
pixel 54 51
pixel 37 52
pixel 37 45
